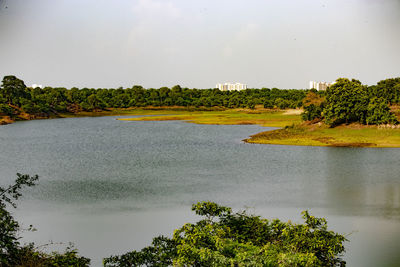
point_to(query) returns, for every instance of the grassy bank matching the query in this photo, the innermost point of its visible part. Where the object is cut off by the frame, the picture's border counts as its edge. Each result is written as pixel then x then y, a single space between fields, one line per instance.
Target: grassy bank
pixel 293 132
pixel 232 117
pixel 353 135
pixel 22 116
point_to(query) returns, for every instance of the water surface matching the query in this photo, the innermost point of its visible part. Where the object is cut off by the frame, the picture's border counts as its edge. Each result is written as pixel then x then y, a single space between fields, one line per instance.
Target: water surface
pixel 109 186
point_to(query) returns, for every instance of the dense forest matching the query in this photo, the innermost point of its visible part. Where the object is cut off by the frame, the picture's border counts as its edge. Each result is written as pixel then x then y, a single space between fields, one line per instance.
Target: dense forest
pixel 15 94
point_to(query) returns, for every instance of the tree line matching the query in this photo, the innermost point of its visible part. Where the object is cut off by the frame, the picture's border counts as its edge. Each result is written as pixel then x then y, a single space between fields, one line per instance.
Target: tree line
pixel 14 93
pixel 349 101
pixel 344 102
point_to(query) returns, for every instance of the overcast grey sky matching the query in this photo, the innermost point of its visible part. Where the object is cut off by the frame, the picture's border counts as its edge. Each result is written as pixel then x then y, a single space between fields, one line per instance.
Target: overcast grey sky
pixel 197 43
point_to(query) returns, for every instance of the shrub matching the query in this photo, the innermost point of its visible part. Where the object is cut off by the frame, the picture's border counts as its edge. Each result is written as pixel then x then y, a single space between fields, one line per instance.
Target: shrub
pixel 224 238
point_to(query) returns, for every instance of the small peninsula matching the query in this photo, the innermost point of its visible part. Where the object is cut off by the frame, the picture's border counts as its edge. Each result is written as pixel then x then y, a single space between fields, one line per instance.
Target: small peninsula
pixel 345 114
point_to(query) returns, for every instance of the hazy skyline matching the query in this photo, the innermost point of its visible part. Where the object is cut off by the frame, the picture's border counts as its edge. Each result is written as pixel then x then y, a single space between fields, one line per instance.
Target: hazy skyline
pixel 154 43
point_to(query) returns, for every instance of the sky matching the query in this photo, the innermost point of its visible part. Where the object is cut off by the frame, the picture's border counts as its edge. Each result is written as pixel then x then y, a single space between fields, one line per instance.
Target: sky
pixel 198 43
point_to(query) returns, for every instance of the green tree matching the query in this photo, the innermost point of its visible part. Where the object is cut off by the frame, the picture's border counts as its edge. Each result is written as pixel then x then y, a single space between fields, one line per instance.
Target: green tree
pixel 251 104
pixel 7 110
pixel 313 105
pixel 225 238
pixel 350 101
pixel 94 102
pixel 387 89
pixel 346 101
pixel 268 104
pixel 281 103
pixel 12 89
pixel 379 112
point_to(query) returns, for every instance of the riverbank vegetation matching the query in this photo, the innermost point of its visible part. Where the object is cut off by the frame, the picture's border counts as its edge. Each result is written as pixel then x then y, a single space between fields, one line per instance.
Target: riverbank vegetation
pixel 224 238
pixel 352 135
pixel 19 102
pixel 347 114
pixel 348 101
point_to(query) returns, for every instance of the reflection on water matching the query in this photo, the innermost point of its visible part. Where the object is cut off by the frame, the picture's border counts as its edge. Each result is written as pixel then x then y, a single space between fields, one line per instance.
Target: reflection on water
pixel 111 185
pixel 358 182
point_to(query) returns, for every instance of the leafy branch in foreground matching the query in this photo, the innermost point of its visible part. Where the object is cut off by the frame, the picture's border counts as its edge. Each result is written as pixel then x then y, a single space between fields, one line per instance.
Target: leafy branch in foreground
pixel 13 191
pixel 11 252
pixel 224 238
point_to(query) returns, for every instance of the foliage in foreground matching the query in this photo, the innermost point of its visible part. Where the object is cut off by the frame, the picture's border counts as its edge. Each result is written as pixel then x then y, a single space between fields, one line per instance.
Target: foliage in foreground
pixel 224 238
pixel 12 253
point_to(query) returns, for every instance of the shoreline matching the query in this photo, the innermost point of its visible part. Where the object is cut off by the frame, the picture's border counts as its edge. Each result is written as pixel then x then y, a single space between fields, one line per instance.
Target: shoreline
pixel 352 135
pixel 291 130
pixel 4 120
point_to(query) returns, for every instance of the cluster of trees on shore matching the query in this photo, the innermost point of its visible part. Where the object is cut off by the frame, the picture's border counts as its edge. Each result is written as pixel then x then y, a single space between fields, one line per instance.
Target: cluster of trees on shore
pixel 14 93
pixel 222 238
pixel 349 101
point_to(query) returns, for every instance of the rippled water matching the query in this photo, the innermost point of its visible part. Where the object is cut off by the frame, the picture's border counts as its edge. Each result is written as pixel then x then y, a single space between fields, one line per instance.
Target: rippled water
pixel 109 186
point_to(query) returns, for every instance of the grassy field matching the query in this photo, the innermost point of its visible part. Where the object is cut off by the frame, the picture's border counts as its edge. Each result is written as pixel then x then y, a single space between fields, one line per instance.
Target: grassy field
pixel 232 116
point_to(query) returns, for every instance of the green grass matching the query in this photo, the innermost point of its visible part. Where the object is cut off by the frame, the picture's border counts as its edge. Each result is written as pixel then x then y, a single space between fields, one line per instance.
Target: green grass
pixel 342 136
pixel 232 117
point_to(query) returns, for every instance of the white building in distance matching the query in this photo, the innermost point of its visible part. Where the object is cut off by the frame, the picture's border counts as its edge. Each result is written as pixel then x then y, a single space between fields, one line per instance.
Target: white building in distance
pixel 231 86
pixel 37 85
pixel 320 86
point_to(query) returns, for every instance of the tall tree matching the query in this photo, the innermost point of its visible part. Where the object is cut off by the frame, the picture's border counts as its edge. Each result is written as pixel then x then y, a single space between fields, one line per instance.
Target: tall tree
pixel 346 101
pixel 12 89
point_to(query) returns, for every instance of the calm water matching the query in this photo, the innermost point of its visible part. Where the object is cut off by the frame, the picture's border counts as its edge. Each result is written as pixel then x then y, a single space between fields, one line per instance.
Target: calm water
pixel 109 186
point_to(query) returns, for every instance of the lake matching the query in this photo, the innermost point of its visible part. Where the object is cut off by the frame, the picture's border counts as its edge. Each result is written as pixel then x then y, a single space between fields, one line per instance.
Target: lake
pixel 109 186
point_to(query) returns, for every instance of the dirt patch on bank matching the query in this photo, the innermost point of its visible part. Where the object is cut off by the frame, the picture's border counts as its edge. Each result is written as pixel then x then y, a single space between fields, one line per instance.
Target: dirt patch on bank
pixel 293 112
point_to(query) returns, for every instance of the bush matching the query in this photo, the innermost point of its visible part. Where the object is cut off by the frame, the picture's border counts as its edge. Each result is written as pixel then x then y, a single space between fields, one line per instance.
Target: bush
pixel 6 109
pixel 378 112
pixel 224 238
pixel 268 104
pixel 313 105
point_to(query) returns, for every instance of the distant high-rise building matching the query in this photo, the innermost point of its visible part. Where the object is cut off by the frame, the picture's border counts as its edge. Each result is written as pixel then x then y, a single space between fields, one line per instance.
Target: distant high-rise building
pixel 231 86
pixel 320 86
pixel 37 85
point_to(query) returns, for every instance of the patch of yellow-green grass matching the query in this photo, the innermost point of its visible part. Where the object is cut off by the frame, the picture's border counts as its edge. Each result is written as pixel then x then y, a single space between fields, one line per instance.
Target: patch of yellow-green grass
pixel 136 111
pixel 231 117
pixel 321 135
pixel 116 112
